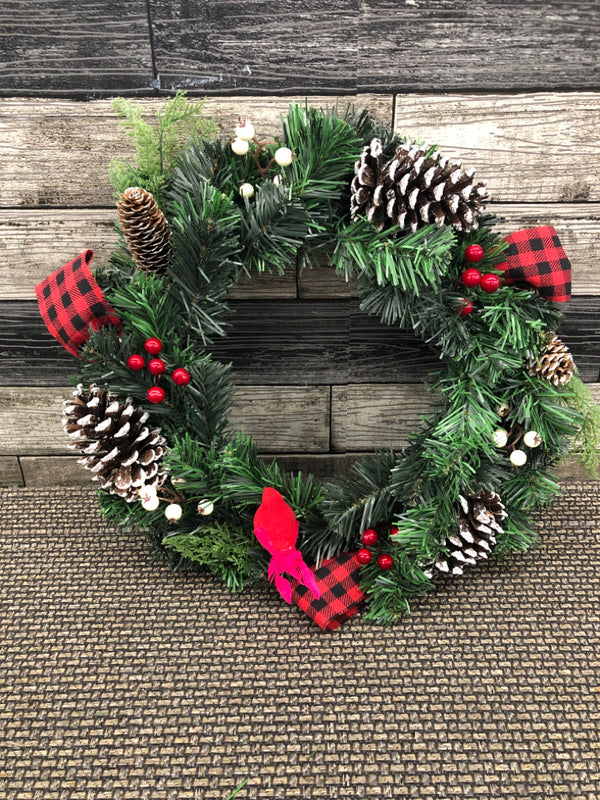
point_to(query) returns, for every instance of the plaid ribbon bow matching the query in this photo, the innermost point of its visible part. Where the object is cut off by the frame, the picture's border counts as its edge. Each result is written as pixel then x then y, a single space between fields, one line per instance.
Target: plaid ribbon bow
pixel 536 257
pixel 70 300
pixel 341 597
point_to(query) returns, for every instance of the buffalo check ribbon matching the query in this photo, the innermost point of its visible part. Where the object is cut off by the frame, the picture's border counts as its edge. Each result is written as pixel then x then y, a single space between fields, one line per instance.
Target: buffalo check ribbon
pixel 71 301
pixel 341 597
pixel 535 257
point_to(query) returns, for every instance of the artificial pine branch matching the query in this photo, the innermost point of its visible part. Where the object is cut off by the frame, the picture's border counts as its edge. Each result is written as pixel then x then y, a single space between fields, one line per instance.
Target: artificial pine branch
pixel 157 144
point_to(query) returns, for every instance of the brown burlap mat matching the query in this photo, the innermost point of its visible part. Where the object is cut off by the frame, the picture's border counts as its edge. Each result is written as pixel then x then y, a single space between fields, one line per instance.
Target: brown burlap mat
pixel 121 679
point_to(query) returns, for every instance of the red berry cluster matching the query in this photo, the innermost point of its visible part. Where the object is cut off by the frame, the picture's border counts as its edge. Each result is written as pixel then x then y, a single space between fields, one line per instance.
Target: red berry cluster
pixel 156 366
pixel 472 277
pixel 369 538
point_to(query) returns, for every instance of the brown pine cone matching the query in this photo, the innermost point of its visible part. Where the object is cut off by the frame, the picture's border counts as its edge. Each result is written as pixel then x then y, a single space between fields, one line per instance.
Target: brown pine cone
pixel 555 363
pixel 145 229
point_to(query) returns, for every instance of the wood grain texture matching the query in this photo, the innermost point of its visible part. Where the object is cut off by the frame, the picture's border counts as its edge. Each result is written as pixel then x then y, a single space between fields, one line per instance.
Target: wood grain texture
pixel 287 342
pixel 281 47
pixel 56 153
pixel 281 419
pixel 82 48
pixel 374 417
pixel 491 45
pixel 532 148
pixel 45 471
pixel 34 242
pixel 529 147
pixel 10 472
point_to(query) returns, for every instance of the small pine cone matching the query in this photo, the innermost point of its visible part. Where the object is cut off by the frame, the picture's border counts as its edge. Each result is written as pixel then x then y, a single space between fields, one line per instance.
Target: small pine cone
pixel 555 363
pixel 367 192
pixel 422 189
pixel 120 450
pixel 145 229
pixel 478 523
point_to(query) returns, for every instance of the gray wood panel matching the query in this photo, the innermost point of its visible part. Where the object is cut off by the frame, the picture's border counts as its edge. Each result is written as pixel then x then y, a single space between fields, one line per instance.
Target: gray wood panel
pixel 287 342
pixel 526 146
pixel 78 48
pixel 45 471
pixel 491 45
pixel 35 242
pixel 56 153
pixel 10 472
pixel 89 48
pixel 282 419
pixel 531 147
pixel 281 47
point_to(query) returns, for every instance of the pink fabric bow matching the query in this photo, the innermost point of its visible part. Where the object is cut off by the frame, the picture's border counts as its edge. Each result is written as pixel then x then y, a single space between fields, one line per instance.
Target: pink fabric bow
pixel 276 528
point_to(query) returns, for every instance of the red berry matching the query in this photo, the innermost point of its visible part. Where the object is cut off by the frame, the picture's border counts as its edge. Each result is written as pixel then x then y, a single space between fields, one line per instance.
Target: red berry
pixel 465 307
pixel 394 531
pixel 156 366
pixel 153 346
pixel 385 562
pixel 136 362
pixel 364 556
pixel 490 283
pixel 474 253
pixel 471 277
pixel 155 394
pixel 369 537
pixel 181 376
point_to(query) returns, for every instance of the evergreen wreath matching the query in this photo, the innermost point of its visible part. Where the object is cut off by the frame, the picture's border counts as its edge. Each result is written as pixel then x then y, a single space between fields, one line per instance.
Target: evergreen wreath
pixel 150 413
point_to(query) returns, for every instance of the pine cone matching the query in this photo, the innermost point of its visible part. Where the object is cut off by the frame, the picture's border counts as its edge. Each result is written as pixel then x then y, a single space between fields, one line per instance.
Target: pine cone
pixel 555 363
pixel 121 451
pixel 367 198
pixel 478 524
pixel 414 189
pixel 145 229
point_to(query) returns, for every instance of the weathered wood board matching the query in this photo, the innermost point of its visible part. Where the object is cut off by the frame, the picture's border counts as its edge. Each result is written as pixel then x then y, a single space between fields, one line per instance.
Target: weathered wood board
pixel 286 418
pixel 340 47
pixel 82 48
pixel 293 342
pixel 34 242
pixel 529 147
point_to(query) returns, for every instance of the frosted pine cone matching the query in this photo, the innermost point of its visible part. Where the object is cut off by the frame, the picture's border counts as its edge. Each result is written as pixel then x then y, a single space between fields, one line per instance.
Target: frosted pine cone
pixel 478 523
pixel 118 447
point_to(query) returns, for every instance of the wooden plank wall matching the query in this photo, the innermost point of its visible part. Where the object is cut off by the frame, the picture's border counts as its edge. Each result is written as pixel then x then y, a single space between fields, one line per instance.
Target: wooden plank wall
pixel 511 87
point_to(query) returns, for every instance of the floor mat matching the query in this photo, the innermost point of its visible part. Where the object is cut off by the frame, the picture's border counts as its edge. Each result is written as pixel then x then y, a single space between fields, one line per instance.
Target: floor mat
pixel 121 679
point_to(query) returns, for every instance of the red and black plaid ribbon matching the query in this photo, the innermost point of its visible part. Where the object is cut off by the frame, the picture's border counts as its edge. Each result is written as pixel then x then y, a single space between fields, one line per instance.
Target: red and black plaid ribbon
pixel 341 596
pixel 535 257
pixel 71 301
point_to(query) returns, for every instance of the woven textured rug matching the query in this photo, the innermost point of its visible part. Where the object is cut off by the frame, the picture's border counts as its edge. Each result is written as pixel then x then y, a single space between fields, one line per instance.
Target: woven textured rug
pixel 121 679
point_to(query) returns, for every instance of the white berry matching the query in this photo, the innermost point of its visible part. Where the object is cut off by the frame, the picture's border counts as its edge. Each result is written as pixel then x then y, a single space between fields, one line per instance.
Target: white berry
pixel 151 503
pixel 205 507
pixel 518 458
pixel 277 180
pixel 283 156
pixel 173 512
pixel 500 437
pixel 245 132
pixel 247 190
pixel 532 439
pixel 240 147
pixel 503 409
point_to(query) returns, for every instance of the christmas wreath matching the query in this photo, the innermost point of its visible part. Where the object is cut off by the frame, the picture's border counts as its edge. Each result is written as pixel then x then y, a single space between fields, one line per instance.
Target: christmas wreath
pixel 149 416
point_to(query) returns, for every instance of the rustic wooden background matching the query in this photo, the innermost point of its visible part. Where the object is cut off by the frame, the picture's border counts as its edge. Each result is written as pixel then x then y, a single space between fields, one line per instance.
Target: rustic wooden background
pixel 511 87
